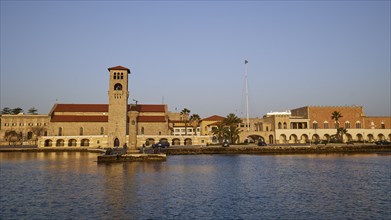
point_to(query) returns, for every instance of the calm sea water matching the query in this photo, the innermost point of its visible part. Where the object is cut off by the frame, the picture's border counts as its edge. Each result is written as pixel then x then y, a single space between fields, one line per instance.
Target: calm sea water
pixel 73 186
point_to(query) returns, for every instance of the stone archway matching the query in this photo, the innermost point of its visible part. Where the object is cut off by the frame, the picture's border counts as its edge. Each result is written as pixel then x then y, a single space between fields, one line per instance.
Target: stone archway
pixel 381 137
pixel 116 142
pixel 359 137
pixel 72 143
pixel 304 139
pixel 293 139
pixel 85 143
pixel 255 138
pixel 149 142
pixel 188 141
pixel 176 141
pixel 60 143
pixel 48 143
pixel 282 139
pixel 271 139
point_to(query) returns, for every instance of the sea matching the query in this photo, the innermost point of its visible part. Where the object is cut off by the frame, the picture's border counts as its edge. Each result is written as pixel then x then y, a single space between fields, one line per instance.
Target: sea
pixel 72 185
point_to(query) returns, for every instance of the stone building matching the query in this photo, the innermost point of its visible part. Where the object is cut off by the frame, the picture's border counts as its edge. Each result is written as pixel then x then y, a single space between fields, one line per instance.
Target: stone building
pixel 118 123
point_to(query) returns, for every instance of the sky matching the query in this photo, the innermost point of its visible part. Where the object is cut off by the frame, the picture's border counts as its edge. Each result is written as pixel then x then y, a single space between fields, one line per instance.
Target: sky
pixel 190 54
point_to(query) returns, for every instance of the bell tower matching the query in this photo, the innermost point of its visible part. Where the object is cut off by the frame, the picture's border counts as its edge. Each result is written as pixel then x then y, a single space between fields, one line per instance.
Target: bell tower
pixel 118 106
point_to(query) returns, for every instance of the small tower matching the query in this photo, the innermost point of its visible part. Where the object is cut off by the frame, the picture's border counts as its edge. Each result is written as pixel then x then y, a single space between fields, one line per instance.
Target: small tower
pixel 118 106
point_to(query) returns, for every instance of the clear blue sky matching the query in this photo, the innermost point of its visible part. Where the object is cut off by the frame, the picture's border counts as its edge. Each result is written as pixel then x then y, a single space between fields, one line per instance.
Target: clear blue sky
pixel 192 53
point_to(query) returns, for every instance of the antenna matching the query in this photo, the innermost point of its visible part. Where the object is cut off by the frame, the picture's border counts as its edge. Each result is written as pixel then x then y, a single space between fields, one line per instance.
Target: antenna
pixel 246 84
pixel 135 101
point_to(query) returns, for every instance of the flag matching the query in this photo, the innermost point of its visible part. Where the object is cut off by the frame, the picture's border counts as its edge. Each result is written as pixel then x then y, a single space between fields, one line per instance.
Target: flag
pixel 245 61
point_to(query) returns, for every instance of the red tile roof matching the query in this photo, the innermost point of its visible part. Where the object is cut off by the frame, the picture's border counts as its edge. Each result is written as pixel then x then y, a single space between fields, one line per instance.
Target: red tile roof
pixel 148 108
pixel 76 118
pixel 213 118
pixel 81 108
pixel 119 68
pixel 151 119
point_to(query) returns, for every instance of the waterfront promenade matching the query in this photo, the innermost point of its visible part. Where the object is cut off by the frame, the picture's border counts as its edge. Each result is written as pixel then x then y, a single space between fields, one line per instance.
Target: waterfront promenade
pixel 233 149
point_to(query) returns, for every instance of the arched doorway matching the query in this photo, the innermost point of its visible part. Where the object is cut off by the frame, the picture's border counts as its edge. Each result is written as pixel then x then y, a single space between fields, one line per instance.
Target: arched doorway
pixel 359 137
pixel 48 143
pixel 304 139
pixel 72 143
pixel 188 141
pixel 116 142
pixel 60 143
pixel 176 141
pixel 85 143
pixel 255 138
pixel 381 137
pixel 271 139
pixel 150 141
pixel 293 139
pixel 282 139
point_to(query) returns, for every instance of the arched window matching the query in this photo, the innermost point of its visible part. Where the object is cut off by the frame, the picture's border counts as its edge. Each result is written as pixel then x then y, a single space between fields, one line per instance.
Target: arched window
pixel 115 75
pixel 326 125
pixel 383 126
pixel 60 131
pixel 81 131
pixel 102 131
pixel 118 86
pixel 29 135
pixel 279 125
pixel 358 124
pixel 285 126
pixel 122 75
pixel 142 130
pixel 315 125
pixel 347 124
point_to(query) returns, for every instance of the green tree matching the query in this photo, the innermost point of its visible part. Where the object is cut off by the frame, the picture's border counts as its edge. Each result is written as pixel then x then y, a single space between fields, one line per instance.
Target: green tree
pixel 220 131
pixel 195 122
pixel 33 111
pixel 232 122
pixel 6 111
pixel 336 115
pixel 12 137
pixel 185 115
pixel 16 111
pixel 38 131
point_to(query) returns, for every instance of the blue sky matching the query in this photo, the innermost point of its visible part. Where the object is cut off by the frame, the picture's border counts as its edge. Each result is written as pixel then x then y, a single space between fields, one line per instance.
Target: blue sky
pixel 191 54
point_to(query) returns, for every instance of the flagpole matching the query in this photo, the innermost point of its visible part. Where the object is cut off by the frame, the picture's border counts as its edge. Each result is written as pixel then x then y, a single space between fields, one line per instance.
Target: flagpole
pixel 246 84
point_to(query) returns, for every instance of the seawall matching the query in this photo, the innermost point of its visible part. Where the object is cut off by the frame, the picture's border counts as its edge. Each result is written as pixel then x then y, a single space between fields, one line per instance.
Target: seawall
pixel 245 149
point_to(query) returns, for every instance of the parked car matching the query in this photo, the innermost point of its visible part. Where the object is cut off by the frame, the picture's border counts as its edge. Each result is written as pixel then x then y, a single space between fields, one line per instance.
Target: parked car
pixel 225 144
pixel 161 144
pixel 261 143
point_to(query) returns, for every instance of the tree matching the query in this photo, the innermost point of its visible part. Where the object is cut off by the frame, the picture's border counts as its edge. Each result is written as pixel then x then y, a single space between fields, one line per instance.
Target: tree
pixel 33 111
pixel 12 137
pixel 232 121
pixel 195 121
pixel 335 115
pixel 340 133
pixel 38 131
pixel 220 132
pixel 185 113
pixel 17 110
pixel 6 110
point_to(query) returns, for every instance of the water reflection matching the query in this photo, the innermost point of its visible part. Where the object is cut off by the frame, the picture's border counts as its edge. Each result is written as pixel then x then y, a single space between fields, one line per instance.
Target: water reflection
pixel 73 185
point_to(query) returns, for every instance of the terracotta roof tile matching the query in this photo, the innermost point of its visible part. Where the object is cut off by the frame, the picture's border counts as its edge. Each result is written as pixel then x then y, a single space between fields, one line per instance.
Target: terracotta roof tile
pixel 81 108
pixel 75 118
pixel 119 68
pixel 151 119
pixel 214 118
pixel 148 108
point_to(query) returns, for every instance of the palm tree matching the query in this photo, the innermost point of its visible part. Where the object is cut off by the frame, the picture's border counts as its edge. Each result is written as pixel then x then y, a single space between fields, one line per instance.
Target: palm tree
pixel 38 132
pixel 335 115
pixel 185 113
pixel 340 133
pixel 220 132
pixel 232 121
pixel 194 121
